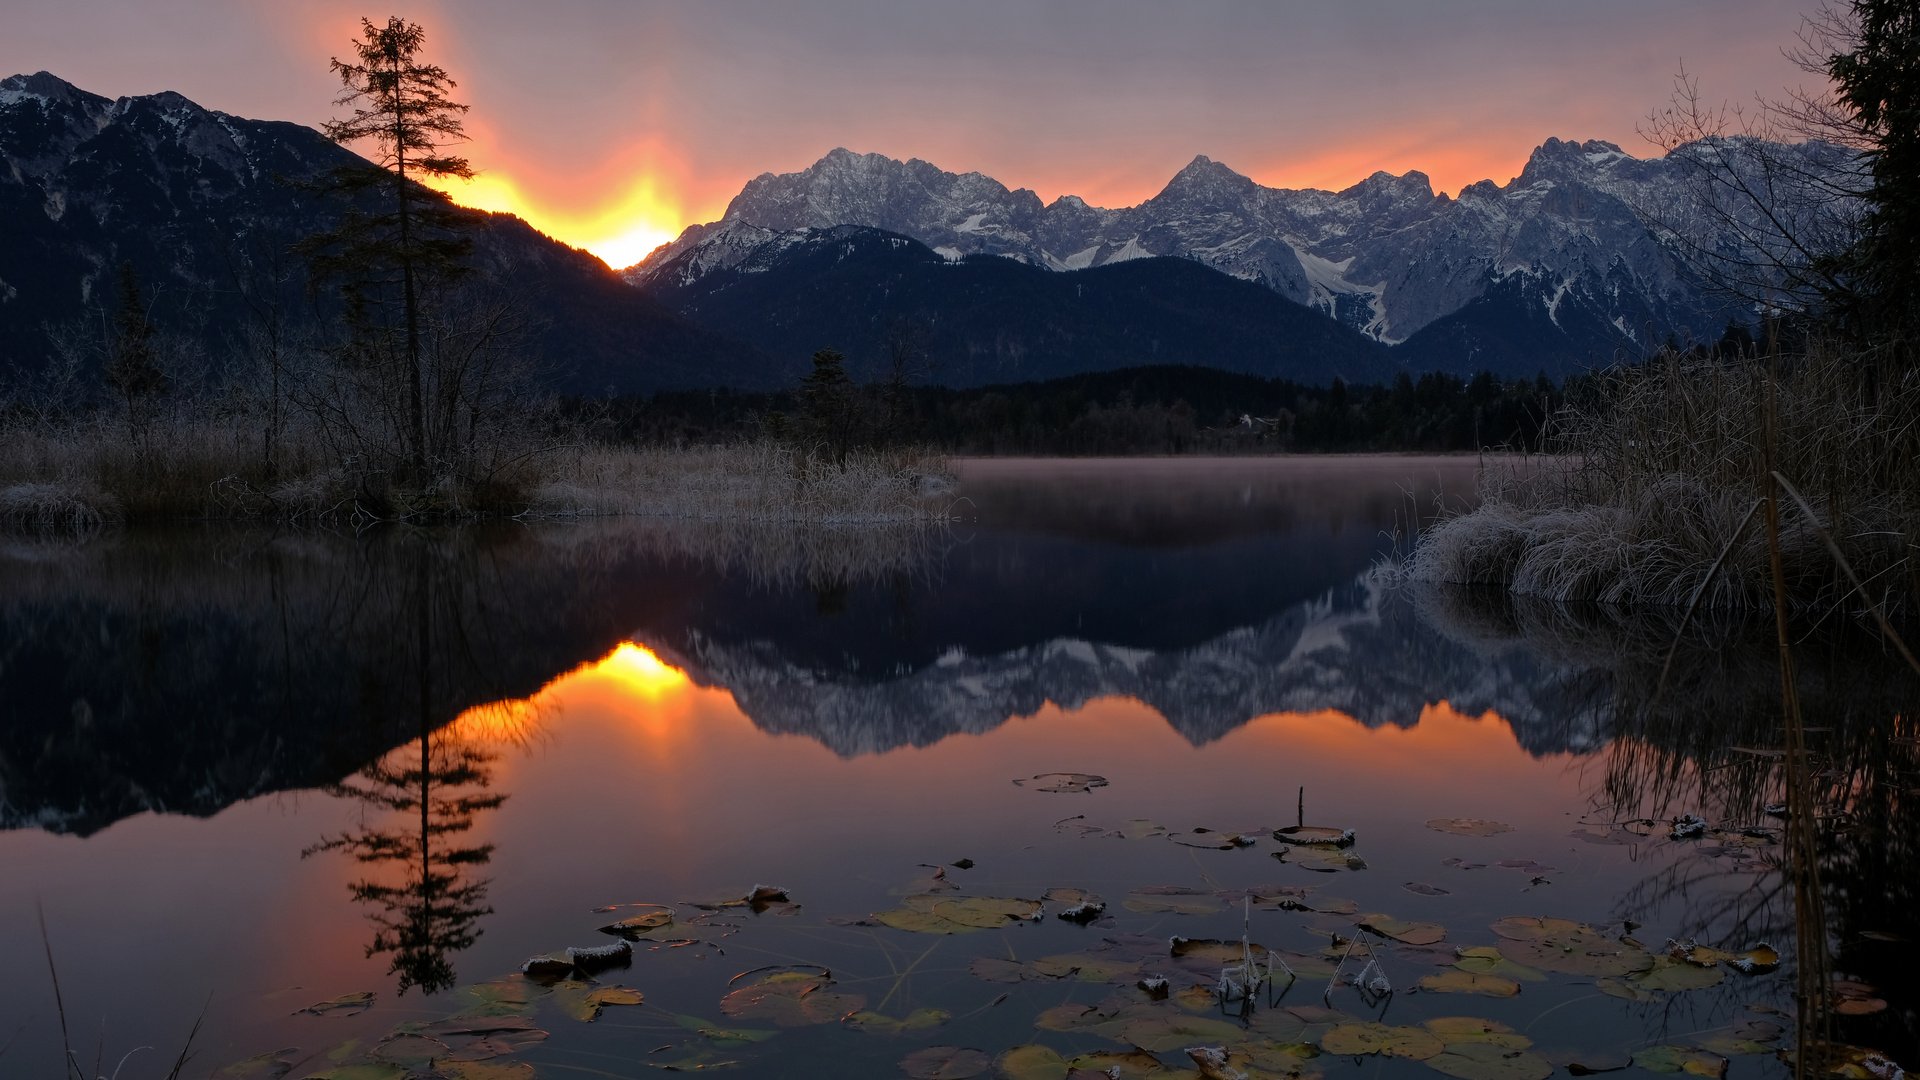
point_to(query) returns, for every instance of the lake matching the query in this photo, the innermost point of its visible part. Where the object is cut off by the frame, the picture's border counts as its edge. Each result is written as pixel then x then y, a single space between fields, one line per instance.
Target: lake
pixel 1004 797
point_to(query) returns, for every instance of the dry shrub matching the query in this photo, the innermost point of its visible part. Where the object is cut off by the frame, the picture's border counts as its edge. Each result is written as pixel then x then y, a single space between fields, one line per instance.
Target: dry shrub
pixel 1652 475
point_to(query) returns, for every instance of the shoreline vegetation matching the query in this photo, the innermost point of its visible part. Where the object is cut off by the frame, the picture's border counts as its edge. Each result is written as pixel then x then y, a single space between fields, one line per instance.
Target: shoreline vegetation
pixel 1652 491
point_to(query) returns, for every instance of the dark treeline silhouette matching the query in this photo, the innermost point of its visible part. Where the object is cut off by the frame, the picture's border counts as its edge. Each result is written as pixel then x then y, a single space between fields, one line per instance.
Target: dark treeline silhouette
pixel 1146 410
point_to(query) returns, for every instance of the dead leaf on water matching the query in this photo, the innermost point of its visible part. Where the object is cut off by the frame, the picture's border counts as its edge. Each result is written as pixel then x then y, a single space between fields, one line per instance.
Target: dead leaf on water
pixel 1060 783
pixel 1856 998
pixel 1673 1059
pixel 1407 1042
pixel 1468 826
pixel 1462 864
pixel 1755 961
pixel 1589 1062
pixel 344 1005
pixel 1467 982
pixel 1412 933
pixel 945 1063
pixel 1423 889
pixel 1486 1061
pixel 1179 899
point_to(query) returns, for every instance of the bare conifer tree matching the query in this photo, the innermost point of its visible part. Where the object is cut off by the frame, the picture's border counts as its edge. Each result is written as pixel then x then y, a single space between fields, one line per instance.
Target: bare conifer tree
pixel 397 232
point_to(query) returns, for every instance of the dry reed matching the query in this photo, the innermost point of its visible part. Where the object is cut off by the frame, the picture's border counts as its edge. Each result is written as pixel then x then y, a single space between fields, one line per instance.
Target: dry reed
pixel 84 475
pixel 1649 482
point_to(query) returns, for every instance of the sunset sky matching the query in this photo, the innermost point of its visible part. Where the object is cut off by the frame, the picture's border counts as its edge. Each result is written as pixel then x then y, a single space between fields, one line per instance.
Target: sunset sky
pixel 612 124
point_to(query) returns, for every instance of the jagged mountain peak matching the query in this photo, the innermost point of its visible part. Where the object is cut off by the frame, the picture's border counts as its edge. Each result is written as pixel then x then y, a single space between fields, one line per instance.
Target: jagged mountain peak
pixel 45 86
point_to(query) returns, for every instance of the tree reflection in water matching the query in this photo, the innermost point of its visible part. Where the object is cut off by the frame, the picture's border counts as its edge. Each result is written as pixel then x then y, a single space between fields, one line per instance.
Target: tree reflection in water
pixel 433 788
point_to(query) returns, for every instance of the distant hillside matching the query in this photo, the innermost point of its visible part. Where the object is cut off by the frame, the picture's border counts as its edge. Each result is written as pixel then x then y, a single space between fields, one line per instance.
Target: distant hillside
pixel 189 195
pixel 995 320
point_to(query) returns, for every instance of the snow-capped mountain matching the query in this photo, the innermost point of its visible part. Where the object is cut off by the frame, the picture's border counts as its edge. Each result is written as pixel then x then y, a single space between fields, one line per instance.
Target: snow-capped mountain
pixel 1567 244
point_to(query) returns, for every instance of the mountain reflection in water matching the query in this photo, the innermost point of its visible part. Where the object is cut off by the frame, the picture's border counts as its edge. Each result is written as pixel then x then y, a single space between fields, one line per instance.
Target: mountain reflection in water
pixel 476 737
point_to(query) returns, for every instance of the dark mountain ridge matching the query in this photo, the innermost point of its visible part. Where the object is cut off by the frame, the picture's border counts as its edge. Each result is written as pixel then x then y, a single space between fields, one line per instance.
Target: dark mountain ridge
pixel 201 204
pixel 987 319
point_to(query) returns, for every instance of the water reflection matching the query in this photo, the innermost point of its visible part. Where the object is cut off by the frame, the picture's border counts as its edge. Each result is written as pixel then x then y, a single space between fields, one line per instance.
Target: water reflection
pixel 696 721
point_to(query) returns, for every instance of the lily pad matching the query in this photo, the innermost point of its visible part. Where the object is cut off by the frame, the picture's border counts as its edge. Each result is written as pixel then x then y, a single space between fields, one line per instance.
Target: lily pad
pixel 1610 835
pixel 1171 1031
pixel 364 1071
pixel 1033 1062
pixel 986 912
pixel 1568 947
pixel 1142 829
pixel 881 1024
pixel 271 1065
pixel 945 1063
pixel 1321 858
pixel 1673 1059
pixel 1674 974
pixel 1856 998
pixel 1179 899
pixel 1625 990
pixel 344 1005
pixel 1486 1061
pixel 1486 960
pixel 1314 834
pixel 995 970
pixel 1459 1029
pixel 1407 1042
pixel 1126 1065
pixel 1062 782
pixel 1411 933
pixel 722 1036
pixel 790 996
pixel 409 1049
pixel 1070 896
pixel 509 997
pixel 1525 866
pixel 1093 969
pixel 651 917
pixel 1210 838
pixel 1467 982
pixel 921 922
pixel 1468 826
pixel 1423 889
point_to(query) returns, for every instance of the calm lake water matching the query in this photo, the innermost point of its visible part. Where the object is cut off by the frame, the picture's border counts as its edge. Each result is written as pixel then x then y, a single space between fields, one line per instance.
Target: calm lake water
pixel 327 794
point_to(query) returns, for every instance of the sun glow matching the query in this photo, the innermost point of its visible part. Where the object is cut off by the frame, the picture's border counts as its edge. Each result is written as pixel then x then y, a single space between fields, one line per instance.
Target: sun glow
pixel 621 230
pixel 640 672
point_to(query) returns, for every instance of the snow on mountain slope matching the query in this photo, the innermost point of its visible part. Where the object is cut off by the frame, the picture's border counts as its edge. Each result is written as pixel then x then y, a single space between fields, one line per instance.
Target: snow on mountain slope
pixel 1387 256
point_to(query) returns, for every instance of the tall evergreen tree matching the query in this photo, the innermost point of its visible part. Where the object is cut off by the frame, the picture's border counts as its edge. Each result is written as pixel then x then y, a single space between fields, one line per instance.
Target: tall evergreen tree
pixel 398 233
pixel 1879 81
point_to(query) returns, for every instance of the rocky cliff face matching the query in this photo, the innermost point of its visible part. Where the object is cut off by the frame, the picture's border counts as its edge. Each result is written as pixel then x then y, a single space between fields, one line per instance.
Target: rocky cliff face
pixel 1568 243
